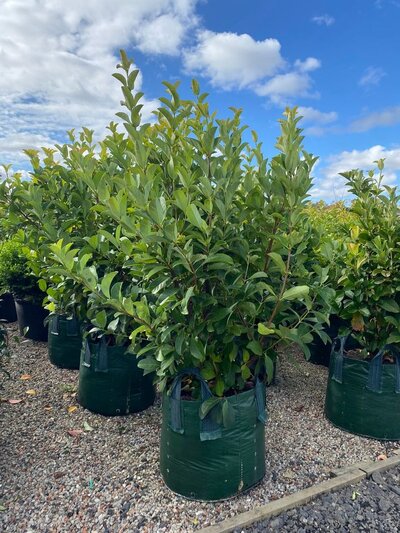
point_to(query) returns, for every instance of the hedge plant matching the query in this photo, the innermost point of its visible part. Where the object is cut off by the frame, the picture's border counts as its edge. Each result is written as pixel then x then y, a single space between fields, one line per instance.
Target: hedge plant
pixel 370 281
pixel 213 239
pixel 16 274
pixel 57 203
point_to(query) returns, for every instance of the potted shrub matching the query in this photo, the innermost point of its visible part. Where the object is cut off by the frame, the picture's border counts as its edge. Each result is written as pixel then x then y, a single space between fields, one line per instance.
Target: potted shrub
pixel 65 322
pixel 110 381
pixel 364 381
pixel 17 278
pixel 7 304
pixel 57 204
pixel 215 240
pixel 331 224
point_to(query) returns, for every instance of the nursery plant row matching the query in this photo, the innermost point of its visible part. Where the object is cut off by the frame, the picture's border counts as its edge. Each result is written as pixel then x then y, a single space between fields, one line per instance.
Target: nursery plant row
pixel 173 255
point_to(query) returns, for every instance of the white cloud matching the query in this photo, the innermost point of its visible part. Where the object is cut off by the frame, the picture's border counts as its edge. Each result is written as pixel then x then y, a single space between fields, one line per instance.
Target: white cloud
pixel 321 20
pixel 331 187
pixel 314 115
pixel 230 60
pixel 57 60
pixel 308 65
pixel 317 122
pixel 386 117
pixel 11 146
pixel 236 61
pixel 285 85
pixel 371 76
pixel 282 88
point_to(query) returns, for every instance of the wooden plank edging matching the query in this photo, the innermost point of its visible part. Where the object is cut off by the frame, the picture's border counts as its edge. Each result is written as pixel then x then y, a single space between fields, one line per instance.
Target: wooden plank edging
pixel 343 477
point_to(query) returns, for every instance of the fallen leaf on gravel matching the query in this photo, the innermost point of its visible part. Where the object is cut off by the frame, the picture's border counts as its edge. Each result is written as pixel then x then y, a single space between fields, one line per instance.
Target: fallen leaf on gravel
pixel 14 401
pixel 381 457
pixel 72 408
pixel 24 377
pixel 289 474
pixel 31 392
pixel 2 508
pixel 75 432
pixel 87 426
pixel 57 475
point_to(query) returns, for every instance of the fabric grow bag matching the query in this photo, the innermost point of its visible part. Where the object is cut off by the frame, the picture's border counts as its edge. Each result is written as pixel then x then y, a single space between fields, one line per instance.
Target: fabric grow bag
pixel 7 307
pixel 363 397
pixel 64 342
pixel 31 316
pixel 200 459
pixel 110 382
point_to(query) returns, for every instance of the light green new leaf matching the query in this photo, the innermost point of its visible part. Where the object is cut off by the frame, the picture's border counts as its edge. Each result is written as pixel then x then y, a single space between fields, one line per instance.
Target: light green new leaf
pixel 264 330
pixel 106 283
pixel 185 301
pixel 194 217
pixel 277 259
pixel 296 293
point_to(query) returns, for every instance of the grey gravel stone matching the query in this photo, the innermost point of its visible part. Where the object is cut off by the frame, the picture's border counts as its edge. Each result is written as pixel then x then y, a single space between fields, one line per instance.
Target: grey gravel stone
pixel 347 510
pixel 115 466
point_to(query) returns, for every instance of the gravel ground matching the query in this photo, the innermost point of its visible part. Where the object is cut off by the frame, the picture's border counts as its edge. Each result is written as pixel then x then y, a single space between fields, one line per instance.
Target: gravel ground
pixel 372 506
pixel 104 476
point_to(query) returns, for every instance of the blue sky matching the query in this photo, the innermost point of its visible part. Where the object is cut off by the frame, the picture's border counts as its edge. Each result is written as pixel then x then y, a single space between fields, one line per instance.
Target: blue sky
pixel 337 60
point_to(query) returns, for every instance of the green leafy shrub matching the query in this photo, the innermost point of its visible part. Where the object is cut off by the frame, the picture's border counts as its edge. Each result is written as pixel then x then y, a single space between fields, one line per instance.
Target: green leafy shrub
pixel 56 203
pixel 331 220
pixel 15 273
pixel 213 240
pixel 370 281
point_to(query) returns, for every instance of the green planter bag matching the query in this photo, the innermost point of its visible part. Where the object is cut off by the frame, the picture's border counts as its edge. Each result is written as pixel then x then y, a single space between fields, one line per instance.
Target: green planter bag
pixel 65 342
pixel 110 382
pixel 363 397
pixel 202 460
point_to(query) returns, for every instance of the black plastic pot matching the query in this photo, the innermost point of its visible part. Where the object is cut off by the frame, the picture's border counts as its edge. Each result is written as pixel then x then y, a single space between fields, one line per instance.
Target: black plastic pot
pixel 65 342
pixel 363 397
pixel 7 307
pixel 202 460
pixel 320 352
pixel 31 316
pixel 110 382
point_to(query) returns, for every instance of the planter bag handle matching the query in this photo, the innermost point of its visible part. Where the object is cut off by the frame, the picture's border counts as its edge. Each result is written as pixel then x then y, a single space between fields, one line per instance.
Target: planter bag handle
pixel 101 356
pixel 72 327
pixel 375 369
pixel 337 357
pixel 55 325
pixel 209 429
pixel 86 354
pixel 262 414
